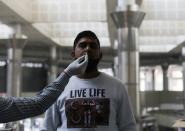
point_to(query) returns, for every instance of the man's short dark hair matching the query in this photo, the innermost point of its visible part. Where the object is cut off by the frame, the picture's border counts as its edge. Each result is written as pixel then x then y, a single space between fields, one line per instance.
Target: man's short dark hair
pixel 86 33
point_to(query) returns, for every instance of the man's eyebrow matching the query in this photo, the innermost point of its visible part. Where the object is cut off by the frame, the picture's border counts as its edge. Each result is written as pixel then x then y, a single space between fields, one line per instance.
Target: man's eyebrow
pixel 83 42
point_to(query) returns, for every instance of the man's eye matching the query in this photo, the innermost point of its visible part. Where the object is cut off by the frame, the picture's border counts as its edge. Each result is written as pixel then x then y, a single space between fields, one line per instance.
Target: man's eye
pixel 82 45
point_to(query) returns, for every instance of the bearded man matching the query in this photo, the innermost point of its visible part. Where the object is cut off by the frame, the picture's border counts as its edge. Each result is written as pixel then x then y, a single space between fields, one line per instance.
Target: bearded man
pixel 92 101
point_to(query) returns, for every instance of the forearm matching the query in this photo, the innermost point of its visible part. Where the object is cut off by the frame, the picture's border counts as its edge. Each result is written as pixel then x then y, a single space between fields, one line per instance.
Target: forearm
pixel 48 96
pixel 12 109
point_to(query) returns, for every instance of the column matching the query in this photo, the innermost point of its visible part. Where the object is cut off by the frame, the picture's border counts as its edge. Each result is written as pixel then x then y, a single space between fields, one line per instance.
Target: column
pixel 153 78
pixel 52 72
pixel 165 76
pixel 15 45
pixel 127 22
pixel 116 65
pixel 183 66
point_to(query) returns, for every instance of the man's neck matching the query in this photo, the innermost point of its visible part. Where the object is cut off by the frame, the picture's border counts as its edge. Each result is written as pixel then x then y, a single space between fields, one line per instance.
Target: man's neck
pixel 88 75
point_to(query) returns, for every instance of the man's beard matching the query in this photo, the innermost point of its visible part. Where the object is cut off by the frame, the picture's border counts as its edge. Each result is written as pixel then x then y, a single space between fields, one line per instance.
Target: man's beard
pixel 92 65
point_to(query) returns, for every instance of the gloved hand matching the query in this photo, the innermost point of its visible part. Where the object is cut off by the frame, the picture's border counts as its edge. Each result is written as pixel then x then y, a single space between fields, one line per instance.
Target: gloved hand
pixel 78 66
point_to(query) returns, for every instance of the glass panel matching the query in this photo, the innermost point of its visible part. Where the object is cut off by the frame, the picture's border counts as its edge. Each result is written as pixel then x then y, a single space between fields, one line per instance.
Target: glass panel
pixel 146 79
pixel 69 10
pixel 5 31
pixel 175 78
pixel 158 79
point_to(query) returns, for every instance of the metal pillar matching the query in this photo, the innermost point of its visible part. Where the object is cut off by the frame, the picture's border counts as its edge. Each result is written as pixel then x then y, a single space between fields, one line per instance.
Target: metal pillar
pixel 116 65
pixel 127 23
pixel 148 79
pixel 183 65
pixel 15 45
pixel 153 78
pixel 52 72
pixel 14 58
pixel 165 76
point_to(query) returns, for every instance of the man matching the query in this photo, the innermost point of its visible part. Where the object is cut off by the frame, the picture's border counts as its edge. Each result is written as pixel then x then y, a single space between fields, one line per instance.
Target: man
pixel 92 101
pixel 12 109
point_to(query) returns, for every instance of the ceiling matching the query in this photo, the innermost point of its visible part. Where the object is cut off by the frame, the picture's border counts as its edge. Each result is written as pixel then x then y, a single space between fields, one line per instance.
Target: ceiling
pixel 57 22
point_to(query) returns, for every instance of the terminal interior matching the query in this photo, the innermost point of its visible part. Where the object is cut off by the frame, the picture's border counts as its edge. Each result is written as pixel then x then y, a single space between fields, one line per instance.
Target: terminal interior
pixel 142 43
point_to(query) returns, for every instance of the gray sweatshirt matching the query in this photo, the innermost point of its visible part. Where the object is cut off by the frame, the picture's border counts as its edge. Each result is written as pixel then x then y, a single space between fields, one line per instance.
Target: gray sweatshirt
pixel 97 104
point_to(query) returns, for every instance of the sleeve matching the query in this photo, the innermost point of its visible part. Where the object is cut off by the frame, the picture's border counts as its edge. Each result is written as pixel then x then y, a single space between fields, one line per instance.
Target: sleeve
pixel 12 109
pixel 125 117
pixel 52 119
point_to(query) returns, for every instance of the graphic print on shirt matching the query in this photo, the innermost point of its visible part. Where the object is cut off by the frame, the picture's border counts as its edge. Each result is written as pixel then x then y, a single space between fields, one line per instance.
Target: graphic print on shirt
pixel 87 111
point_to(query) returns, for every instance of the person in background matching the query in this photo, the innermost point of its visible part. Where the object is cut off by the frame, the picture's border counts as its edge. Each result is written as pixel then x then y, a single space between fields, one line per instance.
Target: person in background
pixel 12 108
pixel 92 101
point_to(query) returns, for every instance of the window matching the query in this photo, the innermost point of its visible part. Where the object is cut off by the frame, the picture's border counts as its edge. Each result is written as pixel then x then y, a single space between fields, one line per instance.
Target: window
pixel 158 81
pixel 175 78
pixel 142 80
pixel 151 78
pixel 146 79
